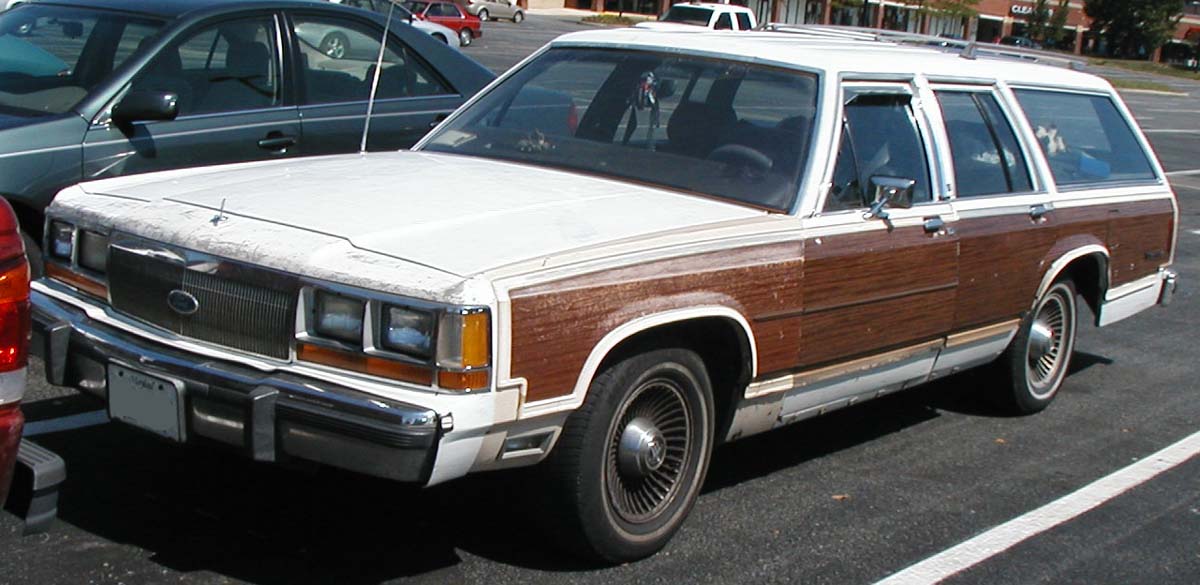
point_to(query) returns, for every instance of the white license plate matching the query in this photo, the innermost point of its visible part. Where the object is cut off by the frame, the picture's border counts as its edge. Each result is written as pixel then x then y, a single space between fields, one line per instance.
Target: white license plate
pixel 148 402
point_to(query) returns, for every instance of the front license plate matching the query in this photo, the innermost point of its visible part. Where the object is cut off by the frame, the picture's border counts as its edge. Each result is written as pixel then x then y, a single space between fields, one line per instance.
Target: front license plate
pixel 149 402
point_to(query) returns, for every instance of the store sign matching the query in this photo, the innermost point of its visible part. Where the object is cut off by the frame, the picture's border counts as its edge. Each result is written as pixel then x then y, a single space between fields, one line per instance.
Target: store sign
pixel 1022 9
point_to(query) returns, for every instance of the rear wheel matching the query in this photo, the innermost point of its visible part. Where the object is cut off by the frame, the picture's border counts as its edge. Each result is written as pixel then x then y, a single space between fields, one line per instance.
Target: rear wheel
pixel 518 16
pixel 441 37
pixel 631 460
pixel 1036 362
pixel 483 14
pixel 464 37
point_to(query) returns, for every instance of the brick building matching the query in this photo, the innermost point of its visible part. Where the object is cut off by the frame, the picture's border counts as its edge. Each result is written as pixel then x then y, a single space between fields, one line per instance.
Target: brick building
pixel 995 19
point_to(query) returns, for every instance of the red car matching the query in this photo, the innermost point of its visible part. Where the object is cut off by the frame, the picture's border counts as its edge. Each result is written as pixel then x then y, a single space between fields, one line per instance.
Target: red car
pixel 450 15
pixel 14 342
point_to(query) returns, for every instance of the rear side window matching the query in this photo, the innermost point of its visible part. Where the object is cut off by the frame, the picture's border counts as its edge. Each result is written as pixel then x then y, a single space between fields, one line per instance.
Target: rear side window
pixel 1085 138
pixel 987 159
pixel 743 21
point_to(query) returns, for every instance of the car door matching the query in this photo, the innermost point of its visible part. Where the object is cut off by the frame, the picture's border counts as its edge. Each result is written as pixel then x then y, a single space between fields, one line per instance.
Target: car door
pixel 334 90
pixel 884 283
pixel 233 104
pixel 447 15
pixel 1006 221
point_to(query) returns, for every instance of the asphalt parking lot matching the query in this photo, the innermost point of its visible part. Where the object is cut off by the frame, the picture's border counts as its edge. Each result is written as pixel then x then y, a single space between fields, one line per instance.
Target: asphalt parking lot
pixel 852 497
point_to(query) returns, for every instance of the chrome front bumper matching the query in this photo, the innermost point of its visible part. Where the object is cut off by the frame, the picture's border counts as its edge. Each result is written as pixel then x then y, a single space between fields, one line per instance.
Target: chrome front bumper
pixel 268 416
pixel 1170 282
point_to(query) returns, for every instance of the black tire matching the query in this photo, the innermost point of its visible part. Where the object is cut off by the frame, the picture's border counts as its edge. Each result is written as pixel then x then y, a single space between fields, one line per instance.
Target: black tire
pixel 483 14
pixel 1036 362
pixel 518 16
pixel 442 38
pixel 33 252
pixel 465 37
pixel 335 45
pixel 631 460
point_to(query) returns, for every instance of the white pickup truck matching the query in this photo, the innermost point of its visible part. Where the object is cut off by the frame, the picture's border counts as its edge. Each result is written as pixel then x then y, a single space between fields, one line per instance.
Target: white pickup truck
pixel 693 15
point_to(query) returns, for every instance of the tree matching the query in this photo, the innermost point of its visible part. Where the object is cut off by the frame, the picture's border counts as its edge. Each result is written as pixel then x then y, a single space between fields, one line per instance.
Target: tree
pixel 1058 25
pixel 1038 21
pixel 1133 28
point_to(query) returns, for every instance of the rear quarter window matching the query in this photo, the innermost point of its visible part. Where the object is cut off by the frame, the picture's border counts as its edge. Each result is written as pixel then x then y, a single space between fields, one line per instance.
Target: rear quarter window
pixel 1085 138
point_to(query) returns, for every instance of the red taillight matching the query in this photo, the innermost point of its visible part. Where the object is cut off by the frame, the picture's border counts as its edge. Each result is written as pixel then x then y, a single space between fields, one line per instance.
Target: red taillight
pixel 14 314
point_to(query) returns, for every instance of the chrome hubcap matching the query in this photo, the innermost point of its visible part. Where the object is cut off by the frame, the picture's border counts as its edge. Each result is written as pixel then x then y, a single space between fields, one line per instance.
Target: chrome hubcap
pixel 642 450
pixel 1047 336
pixel 648 450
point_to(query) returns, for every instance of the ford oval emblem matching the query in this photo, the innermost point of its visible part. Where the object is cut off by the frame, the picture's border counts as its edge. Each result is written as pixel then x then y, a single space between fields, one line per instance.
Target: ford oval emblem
pixel 183 302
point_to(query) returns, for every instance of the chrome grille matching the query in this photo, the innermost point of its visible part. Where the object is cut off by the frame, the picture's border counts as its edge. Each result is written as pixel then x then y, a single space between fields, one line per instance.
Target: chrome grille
pixel 239 306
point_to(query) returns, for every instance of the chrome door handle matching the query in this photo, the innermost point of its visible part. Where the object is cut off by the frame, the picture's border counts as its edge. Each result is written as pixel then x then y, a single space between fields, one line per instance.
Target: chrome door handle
pixel 1039 211
pixel 277 142
pixel 934 225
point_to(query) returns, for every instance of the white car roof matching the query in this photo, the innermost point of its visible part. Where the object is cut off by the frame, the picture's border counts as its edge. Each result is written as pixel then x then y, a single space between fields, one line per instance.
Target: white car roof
pixel 835 56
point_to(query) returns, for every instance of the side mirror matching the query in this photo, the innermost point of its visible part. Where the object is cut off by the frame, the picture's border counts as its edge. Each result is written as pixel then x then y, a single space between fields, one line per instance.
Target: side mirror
pixel 144 106
pixel 889 192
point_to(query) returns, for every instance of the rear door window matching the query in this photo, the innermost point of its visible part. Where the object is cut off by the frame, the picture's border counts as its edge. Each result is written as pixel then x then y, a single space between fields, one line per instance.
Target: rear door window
pixel 987 158
pixel 1085 138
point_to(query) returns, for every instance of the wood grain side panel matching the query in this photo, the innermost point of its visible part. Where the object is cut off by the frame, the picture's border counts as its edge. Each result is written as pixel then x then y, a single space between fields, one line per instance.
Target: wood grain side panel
pixel 1000 265
pixel 1139 239
pixel 833 336
pixel 556 325
pixel 871 291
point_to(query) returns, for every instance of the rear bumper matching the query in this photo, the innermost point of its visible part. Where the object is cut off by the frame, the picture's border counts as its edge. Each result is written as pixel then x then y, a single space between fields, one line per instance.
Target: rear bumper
pixel 267 416
pixel 1170 281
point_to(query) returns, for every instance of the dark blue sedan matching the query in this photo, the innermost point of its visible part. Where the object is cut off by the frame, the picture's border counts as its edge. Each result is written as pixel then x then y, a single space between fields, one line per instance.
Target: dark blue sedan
pixel 92 89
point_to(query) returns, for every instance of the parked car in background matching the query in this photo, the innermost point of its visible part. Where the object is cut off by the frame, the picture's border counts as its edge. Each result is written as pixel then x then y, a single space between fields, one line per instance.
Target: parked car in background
pixel 692 15
pixel 180 83
pixel 448 14
pixel 718 235
pixel 398 10
pixel 494 9
pixel 1024 42
pixel 14 342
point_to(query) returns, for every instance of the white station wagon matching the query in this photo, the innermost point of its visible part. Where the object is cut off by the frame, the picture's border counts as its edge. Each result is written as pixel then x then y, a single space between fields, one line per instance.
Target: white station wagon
pixel 656 242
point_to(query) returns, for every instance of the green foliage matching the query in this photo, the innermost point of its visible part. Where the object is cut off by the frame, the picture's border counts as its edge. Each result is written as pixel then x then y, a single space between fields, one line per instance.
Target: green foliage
pixel 1038 22
pixel 1059 34
pixel 951 7
pixel 1134 28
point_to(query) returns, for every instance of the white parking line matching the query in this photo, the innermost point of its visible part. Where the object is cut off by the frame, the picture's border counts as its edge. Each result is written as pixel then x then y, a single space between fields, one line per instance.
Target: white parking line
pixel 1197 232
pixel 1168 131
pixel 999 539
pixel 1182 173
pixel 66 423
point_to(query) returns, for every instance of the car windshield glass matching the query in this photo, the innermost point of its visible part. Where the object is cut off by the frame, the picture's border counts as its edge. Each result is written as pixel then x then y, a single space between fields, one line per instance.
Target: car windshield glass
pixel 688 15
pixel 52 56
pixel 726 129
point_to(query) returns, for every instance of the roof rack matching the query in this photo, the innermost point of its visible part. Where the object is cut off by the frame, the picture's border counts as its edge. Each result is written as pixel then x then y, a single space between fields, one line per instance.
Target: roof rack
pixel 966 49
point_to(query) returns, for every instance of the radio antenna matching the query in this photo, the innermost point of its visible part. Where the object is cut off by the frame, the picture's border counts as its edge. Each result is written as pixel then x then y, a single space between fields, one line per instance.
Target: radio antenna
pixel 362 148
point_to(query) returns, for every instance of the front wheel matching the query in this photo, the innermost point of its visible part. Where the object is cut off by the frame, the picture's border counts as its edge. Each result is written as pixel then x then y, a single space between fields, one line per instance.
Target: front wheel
pixel 483 14
pixel 632 458
pixel 1036 362
pixel 464 37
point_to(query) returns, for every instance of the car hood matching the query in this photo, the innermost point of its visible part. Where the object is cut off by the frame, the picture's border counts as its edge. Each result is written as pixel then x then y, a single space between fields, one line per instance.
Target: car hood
pixel 458 214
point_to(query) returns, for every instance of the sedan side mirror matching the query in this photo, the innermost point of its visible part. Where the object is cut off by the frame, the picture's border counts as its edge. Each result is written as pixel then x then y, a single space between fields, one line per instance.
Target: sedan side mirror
pixel 889 192
pixel 144 106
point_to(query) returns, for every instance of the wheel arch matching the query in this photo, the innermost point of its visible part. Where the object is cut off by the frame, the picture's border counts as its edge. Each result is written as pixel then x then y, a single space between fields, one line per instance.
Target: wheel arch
pixel 720 335
pixel 1087 265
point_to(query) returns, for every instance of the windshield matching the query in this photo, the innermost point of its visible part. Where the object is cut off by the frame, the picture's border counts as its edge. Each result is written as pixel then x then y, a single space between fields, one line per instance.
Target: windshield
pixel 52 56
pixel 688 15
pixel 720 128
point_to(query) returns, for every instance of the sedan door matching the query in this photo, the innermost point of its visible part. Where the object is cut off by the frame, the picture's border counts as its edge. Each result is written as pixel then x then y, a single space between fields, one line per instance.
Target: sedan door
pixel 334 87
pixel 232 104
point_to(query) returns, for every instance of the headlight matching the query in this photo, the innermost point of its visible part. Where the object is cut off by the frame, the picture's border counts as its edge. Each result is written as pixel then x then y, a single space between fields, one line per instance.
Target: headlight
pixel 407 331
pixel 62 239
pixel 338 317
pixel 93 250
